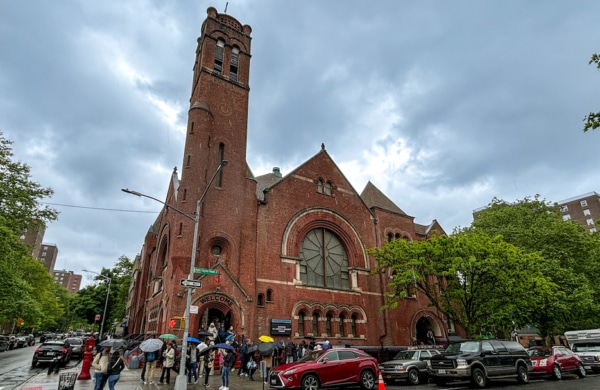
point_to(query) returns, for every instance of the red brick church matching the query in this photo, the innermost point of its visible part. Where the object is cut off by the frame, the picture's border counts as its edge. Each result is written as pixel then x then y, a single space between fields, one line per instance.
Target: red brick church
pixel 290 249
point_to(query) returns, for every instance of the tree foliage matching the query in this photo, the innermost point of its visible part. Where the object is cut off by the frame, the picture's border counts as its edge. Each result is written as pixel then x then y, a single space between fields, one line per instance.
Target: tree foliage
pixel 571 258
pixel 478 281
pixel 592 120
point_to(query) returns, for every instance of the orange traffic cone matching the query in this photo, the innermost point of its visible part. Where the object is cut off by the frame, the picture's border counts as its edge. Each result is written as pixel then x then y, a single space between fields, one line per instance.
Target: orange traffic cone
pixel 381 382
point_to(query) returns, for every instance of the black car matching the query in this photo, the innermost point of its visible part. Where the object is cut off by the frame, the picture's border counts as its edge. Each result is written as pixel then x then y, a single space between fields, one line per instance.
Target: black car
pixel 479 361
pixel 3 343
pixel 50 350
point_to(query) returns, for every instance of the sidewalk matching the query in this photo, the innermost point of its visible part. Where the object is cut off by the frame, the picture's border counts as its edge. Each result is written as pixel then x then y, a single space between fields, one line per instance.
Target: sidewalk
pixel 130 379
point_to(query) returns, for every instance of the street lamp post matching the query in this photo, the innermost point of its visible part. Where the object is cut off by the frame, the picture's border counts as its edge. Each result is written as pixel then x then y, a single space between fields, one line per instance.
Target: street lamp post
pixel 105 302
pixel 180 381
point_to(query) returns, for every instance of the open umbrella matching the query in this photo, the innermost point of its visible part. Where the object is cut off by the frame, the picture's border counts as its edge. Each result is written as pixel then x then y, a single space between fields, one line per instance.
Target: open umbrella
pixel 309 337
pixel 222 346
pixel 193 340
pixel 204 333
pixel 168 336
pixel 151 345
pixel 113 343
pixel 229 337
pixel 266 339
pixel 266 348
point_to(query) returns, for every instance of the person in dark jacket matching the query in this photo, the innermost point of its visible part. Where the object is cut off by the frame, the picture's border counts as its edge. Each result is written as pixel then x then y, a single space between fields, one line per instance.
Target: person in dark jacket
pixel 228 364
pixel 115 366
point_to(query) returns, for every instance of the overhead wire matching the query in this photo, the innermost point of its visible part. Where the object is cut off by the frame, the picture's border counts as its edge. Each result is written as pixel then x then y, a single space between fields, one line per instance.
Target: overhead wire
pixel 99 208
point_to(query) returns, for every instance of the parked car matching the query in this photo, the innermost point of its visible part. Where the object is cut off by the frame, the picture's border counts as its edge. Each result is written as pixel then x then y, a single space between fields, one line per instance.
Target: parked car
pixel 21 342
pixel 30 339
pixel 479 361
pixel 589 352
pixel 409 365
pixel 50 350
pixel 325 368
pixel 555 361
pixel 77 346
pixel 3 343
pixel 12 342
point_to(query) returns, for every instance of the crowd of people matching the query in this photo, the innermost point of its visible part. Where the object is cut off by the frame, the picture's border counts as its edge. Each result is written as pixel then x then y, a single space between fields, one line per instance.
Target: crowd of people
pixel 202 358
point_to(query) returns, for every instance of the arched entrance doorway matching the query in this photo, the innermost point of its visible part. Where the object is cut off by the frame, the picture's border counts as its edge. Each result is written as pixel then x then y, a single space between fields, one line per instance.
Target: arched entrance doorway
pixel 220 310
pixel 426 329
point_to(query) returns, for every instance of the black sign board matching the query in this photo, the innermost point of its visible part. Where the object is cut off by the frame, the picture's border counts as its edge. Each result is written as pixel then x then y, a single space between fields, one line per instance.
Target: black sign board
pixel 281 327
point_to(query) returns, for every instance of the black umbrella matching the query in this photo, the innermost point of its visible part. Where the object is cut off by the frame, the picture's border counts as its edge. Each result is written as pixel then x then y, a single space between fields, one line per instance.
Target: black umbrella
pixel 266 348
pixel 310 337
pixel 203 333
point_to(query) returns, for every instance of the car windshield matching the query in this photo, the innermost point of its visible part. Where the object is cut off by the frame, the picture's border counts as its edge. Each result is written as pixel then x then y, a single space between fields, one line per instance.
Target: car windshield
pixel 312 356
pixel 586 347
pixel 467 346
pixel 75 341
pixel 539 352
pixel 407 355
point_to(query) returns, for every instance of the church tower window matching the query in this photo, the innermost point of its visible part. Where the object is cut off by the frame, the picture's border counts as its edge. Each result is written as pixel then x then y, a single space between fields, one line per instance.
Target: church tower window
pixel 324 260
pixel 220 49
pixel 233 66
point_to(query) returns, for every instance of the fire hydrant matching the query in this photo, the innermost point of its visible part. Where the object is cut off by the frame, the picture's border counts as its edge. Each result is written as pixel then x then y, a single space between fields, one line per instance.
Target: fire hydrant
pixel 88 355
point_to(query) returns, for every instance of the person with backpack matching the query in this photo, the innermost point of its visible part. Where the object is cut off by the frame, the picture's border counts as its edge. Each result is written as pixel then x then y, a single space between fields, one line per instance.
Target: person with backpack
pixel 290 350
pixel 228 364
pixel 115 366
pixel 150 358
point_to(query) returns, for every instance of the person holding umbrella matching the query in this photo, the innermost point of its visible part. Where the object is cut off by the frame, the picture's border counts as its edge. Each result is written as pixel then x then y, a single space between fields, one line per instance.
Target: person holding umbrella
pixel 151 348
pixel 228 364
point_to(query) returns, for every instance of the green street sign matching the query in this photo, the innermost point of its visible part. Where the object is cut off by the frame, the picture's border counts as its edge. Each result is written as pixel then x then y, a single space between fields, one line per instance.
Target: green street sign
pixel 206 271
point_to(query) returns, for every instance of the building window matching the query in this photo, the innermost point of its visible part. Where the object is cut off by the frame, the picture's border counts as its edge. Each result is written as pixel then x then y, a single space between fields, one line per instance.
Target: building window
pixel 324 260
pixel 315 323
pixel 587 212
pixel 218 66
pixel 342 327
pixel 353 326
pixel 233 66
pixel 328 324
pixel 192 128
pixel 589 221
pixel 180 229
pixel 593 230
pixel 261 299
pixel 390 237
pixel 411 291
pixel 583 203
pixel 564 208
pixel 328 188
pixel 319 186
pixel 269 295
pixel 301 323
pixel 567 217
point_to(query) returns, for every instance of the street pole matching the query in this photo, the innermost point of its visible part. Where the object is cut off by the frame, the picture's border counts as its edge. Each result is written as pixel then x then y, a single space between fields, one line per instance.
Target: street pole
pixel 105 302
pixel 181 381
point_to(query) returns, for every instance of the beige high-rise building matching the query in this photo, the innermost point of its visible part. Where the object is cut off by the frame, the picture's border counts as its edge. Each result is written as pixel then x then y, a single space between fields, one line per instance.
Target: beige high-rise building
pixel 67 279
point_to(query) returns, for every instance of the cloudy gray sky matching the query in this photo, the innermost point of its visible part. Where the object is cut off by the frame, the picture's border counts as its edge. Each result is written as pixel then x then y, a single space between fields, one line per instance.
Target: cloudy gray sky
pixel 443 105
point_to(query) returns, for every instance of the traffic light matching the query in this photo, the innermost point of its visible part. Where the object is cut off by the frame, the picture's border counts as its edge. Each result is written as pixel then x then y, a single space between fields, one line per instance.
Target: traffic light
pixel 177 323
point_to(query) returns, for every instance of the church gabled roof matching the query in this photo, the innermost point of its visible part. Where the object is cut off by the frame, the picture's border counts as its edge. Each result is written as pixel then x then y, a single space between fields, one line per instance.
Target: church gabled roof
pixel 373 197
pixel 265 181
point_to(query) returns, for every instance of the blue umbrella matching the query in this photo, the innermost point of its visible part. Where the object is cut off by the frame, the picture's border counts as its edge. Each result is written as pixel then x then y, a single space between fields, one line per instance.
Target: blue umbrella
pixel 193 340
pixel 229 337
pixel 223 346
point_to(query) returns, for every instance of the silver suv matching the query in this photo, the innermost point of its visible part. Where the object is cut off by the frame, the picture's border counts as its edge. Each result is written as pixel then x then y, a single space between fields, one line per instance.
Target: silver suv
pixel 588 351
pixel 409 365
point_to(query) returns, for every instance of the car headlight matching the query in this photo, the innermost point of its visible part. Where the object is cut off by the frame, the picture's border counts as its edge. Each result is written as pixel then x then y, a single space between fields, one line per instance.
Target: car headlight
pixel 428 363
pixel 461 363
pixel 289 372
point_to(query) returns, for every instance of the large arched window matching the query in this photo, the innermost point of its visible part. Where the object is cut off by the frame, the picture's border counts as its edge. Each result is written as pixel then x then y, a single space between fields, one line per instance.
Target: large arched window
pixel 301 323
pixel 324 260
pixel 315 323
pixel 233 66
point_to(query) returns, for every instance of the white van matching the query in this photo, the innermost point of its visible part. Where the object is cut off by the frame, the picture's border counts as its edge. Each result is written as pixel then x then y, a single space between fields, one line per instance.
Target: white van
pixel 586 344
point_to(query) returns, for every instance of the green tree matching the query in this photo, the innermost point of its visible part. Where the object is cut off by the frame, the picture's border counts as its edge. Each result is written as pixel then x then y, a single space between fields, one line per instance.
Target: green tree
pixel 592 121
pixel 20 196
pixel 571 257
pixel 478 281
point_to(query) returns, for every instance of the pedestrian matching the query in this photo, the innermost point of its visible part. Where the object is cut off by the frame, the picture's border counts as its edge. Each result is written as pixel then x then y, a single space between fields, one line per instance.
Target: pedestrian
pixel 201 347
pixel 168 363
pixel 290 350
pixel 228 364
pixel 243 370
pixel 150 358
pixel 100 364
pixel 268 359
pixel 192 358
pixel 252 366
pixel 213 329
pixel 208 359
pixel 115 366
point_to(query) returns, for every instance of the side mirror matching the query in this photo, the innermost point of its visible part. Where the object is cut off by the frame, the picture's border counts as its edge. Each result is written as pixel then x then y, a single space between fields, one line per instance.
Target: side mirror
pixel 324 360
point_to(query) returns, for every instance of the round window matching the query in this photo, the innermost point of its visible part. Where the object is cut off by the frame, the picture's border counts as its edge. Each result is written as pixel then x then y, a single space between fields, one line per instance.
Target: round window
pixel 216 250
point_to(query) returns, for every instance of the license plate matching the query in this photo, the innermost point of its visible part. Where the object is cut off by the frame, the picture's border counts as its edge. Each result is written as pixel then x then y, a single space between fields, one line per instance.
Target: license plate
pixel 388 376
pixel 273 381
pixel 587 367
pixel 441 371
pixel 49 353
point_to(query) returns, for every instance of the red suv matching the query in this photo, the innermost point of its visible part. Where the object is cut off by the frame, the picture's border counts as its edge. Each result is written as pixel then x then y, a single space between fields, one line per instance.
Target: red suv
pixel 325 368
pixel 555 361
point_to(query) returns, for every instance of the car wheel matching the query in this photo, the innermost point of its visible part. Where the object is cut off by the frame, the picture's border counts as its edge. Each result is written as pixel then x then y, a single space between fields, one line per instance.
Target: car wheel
pixel 368 381
pixel 581 371
pixel 33 364
pixel 413 376
pixel 310 382
pixel 556 373
pixel 522 374
pixel 478 378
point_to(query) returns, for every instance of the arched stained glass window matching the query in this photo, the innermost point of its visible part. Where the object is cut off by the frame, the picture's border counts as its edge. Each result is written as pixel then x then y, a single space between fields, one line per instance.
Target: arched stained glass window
pixel 324 260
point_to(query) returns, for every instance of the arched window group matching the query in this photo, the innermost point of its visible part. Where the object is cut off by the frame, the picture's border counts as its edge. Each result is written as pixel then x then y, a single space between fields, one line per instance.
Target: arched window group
pixel 332 325
pixel 324 187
